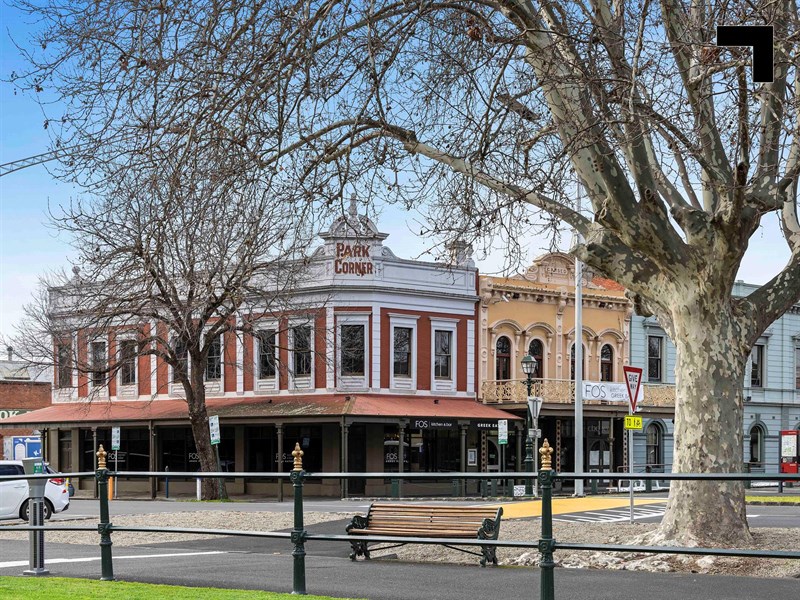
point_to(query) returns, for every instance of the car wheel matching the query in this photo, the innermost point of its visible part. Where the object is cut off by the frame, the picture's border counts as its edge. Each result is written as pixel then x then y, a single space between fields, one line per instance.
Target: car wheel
pixel 48 510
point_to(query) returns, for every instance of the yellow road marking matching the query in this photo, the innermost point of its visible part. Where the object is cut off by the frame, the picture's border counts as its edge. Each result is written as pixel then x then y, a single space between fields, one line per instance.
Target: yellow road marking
pixel 533 508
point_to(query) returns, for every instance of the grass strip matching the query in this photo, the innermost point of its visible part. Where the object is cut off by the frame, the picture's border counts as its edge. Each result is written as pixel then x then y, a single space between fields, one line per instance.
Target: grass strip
pixel 46 588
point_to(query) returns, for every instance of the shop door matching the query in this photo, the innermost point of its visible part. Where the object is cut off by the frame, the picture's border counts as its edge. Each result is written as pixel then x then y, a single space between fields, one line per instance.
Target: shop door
pixel 357 459
pixel 492 455
pixel 599 459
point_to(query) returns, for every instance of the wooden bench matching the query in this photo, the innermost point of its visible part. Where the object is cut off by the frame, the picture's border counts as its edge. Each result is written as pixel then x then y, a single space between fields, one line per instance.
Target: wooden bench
pixel 415 520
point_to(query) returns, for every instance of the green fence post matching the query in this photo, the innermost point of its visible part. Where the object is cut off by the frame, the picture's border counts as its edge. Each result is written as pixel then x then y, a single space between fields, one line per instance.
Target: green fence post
pixel 395 488
pixel 493 487
pixel 594 487
pixel 104 527
pixel 455 488
pixel 546 542
pixel 747 483
pixel 299 534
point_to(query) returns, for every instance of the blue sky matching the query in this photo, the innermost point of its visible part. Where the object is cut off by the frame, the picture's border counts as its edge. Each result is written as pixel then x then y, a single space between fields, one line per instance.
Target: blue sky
pixel 29 248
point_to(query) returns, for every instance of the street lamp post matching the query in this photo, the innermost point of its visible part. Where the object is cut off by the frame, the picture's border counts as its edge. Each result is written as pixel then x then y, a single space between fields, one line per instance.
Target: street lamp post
pixel 531 423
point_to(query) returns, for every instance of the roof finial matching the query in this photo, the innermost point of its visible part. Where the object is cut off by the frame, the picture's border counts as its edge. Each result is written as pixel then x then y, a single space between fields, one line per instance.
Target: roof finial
pixel 353 208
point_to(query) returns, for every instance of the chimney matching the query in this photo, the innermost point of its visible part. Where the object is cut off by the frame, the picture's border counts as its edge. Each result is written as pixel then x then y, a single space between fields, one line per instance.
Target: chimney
pixel 10 351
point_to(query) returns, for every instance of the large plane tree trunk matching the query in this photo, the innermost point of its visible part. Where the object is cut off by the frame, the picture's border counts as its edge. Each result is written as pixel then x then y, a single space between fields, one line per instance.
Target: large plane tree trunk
pixel 708 428
pixel 212 488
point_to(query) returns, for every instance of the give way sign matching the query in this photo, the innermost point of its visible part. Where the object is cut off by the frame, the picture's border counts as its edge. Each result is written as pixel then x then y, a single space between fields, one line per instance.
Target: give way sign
pixel 633 379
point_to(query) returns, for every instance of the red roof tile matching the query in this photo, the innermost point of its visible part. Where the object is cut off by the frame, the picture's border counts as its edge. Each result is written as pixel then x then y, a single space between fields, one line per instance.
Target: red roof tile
pixel 608 284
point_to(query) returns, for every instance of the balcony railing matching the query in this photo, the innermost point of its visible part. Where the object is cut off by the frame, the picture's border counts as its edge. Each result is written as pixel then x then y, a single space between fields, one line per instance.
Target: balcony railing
pixel 562 391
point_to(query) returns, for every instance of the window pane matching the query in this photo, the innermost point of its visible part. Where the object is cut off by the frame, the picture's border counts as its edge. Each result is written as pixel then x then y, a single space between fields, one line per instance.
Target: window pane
pixel 536 350
pixel 214 360
pixel 606 363
pixel 352 337
pixel 654 348
pixel 503 358
pixel 266 353
pixel 402 351
pixel 757 366
pixel 98 363
pixel 182 367
pixel 442 360
pixel 572 363
pixel 302 351
pixel 64 366
pixel 127 357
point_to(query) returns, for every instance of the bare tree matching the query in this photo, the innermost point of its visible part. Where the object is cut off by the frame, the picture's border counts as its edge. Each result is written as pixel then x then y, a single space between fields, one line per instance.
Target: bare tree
pixel 492 113
pixel 173 262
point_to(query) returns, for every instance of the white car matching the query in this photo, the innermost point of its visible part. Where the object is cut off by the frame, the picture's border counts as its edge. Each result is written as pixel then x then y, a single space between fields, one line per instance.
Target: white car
pixel 14 494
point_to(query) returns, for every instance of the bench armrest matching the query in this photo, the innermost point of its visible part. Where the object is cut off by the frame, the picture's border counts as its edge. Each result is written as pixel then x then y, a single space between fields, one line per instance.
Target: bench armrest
pixel 358 522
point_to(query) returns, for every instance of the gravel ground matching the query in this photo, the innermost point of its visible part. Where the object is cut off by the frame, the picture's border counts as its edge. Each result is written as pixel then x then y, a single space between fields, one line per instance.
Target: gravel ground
pixel 595 533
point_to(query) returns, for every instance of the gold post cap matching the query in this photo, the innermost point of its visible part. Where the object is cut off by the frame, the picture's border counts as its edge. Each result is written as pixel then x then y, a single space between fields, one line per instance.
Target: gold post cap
pixel 101 458
pixel 544 453
pixel 298 457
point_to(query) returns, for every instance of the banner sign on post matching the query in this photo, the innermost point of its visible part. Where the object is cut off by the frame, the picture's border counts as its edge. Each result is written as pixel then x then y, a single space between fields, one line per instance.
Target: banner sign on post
pixel 608 391
pixel 213 426
pixel 115 437
pixel 633 378
pixel 502 431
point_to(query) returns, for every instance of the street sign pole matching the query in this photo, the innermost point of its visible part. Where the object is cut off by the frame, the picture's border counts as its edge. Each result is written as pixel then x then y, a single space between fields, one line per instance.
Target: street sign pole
pixel 633 379
pixel 115 445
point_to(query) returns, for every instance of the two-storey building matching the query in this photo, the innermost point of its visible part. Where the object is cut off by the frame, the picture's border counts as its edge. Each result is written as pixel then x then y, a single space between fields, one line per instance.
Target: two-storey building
pixel 373 369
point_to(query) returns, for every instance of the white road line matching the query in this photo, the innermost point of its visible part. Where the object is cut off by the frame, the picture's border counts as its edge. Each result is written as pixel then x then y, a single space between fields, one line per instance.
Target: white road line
pixel 53 561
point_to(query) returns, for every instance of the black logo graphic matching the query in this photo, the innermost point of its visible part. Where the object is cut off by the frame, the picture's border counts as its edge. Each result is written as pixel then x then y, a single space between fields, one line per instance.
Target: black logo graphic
pixel 759 38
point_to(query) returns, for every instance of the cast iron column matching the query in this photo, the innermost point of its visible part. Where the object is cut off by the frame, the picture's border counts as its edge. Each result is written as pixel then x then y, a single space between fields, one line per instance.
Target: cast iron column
pixel 104 527
pixel 298 533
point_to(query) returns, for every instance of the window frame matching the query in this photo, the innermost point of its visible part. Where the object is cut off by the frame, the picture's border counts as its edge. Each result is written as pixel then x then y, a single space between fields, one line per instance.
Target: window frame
pixel 98 376
pixel 185 360
pixel 404 383
pixel 353 380
pixel 658 445
pixel 607 363
pixel 133 359
pixel 757 373
pixel 572 361
pixel 304 380
pixel 259 339
pixel 218 359
pixel 444 384
pixel 64 365
pixel 506 356
pixel 659 359
pixel 797 368
pixel 539 371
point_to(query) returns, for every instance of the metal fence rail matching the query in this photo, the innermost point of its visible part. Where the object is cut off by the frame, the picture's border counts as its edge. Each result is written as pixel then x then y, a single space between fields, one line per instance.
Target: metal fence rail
pixel 546 544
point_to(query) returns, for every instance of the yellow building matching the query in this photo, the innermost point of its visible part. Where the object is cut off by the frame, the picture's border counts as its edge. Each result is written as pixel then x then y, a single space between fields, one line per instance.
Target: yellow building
pixel 534 313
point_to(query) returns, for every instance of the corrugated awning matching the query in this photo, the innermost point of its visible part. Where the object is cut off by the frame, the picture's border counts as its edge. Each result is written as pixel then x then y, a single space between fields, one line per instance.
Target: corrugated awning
pixel 104 412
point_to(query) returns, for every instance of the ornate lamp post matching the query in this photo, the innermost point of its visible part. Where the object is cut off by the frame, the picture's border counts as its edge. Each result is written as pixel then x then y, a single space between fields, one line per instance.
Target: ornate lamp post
pixel 534 404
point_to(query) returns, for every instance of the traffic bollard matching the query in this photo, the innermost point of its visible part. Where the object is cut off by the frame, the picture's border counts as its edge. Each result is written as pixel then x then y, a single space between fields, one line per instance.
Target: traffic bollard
pixel 104 527
pixel 546 542
pixel 299 533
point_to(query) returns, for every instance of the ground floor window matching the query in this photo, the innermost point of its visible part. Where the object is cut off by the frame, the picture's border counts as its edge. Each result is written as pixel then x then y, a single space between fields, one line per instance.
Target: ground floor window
pixel 65 450
pixel 310 439
pixel 260 449
pixel 434 450
pixel 654 445
pixel 391 449
pixel 178 451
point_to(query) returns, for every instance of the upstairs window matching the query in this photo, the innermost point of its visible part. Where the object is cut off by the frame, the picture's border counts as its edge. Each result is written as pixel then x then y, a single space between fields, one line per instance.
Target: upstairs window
pixel 402 351
pixel 536 350
pixel 98 358
pixel 443 355
pixel 214 360
pixel 757 366
pixel 301 351
pixel 352 346
pixel 503 358
pixel 127 359
pixel 655 348
pixel 64 370
pixel 797 368
pixel 266 353
pixel 182 356
pixel 607 363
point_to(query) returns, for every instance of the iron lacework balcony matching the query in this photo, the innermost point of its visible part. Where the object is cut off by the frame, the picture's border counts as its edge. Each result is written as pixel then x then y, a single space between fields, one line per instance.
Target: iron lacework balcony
pixel 562 391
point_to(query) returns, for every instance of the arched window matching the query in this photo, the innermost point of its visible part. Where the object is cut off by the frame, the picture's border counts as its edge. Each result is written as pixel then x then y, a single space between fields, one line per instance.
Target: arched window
pixel 655 446
pixel 607 363
pixel 503 358
pixel 572 363
pixel 536 350
pixel 756 447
